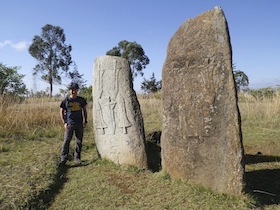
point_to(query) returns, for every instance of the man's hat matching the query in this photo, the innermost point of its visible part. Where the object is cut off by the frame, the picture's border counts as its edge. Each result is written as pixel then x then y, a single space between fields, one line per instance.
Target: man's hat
pixel 73 86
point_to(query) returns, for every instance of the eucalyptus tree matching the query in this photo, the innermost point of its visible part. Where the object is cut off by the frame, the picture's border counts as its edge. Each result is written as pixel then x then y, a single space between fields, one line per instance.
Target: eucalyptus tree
pixel 135 55
pixel 52 54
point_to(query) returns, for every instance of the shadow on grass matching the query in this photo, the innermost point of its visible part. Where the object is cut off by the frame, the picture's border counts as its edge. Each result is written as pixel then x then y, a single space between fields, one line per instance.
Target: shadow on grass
pixel 264 184
pixel 153 151
pixel 258 158
pixel 45 198
pixel 153 156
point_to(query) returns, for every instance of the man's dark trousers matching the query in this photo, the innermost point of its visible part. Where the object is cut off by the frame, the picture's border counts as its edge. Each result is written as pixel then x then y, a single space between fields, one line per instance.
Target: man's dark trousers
pixel 69 131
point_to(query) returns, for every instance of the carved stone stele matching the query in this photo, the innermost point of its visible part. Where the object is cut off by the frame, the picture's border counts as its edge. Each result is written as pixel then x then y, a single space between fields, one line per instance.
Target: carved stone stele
pixel 201 137
pixel 118 122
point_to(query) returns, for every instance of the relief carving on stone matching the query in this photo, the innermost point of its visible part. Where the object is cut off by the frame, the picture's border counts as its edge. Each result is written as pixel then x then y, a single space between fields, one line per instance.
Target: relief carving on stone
pixel 111 108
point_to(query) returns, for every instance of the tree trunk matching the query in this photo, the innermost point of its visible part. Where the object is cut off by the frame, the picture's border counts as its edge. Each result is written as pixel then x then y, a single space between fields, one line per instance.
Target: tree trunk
pixel 51 87
pixel 51 90
pixel 1 91
pixel 51 83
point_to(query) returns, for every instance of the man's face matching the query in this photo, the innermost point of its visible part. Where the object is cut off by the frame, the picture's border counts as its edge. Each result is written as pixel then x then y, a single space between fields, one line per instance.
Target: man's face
pixel 73 92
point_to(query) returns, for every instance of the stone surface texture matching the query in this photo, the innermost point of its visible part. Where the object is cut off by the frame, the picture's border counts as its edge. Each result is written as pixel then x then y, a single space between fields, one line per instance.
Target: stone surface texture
pixel 201 137
pixel 118 122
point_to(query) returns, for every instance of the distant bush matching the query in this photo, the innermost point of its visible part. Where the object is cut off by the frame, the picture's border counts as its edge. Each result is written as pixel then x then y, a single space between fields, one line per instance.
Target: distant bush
pixel 264 93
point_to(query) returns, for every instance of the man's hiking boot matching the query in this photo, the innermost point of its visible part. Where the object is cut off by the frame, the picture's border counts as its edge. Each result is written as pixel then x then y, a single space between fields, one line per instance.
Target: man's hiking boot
pixel 62 163
pixel 78 161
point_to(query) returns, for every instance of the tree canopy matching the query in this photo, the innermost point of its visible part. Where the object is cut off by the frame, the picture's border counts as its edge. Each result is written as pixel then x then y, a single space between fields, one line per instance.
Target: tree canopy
pixel 52 54
pixel 151 86
pixel 135 55
pixel 76 77
pixel 11 81
pixel 241 79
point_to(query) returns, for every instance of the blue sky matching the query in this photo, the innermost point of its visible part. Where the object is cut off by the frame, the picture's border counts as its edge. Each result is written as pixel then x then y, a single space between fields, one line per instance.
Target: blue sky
pixel 94 27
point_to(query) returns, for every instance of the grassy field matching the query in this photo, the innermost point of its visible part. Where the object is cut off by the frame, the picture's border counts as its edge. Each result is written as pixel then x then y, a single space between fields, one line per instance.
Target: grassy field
pixel 31 135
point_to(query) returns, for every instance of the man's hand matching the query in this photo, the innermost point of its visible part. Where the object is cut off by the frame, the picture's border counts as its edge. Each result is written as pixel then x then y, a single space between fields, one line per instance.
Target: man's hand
pixel 65 125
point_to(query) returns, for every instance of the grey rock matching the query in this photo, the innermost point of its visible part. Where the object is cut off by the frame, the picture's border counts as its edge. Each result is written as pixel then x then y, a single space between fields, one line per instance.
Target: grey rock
pixel 201 137
pixel 118 122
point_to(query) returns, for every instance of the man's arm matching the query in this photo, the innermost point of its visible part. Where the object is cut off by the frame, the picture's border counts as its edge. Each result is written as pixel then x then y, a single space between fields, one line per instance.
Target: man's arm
pixel 85 113
pixel 62 117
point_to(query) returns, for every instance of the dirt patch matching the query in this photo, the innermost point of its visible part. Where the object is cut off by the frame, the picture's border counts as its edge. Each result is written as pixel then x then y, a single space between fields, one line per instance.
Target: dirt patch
pixel 121 182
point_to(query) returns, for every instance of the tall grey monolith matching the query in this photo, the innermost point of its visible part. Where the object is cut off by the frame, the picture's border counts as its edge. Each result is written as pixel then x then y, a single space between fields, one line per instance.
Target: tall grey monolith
pixel 118 122
pixel 201 137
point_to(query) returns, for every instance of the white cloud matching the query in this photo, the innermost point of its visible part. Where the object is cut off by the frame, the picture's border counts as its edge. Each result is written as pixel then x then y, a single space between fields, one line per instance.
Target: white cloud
pixel 3 44
pixel 20 46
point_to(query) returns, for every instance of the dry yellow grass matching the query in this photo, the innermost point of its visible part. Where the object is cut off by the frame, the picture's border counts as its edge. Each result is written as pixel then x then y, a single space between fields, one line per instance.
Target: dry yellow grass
pixel 260 124
pixel 260 109
pixel 151 107
pixel 30 116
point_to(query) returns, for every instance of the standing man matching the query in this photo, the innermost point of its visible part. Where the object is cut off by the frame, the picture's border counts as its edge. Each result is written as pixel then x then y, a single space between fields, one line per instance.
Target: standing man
pixel 73 113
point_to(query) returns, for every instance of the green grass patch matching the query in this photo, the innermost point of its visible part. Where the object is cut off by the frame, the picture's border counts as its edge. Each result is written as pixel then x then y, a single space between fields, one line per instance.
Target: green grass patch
pixel 100 184
pixel 26 169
